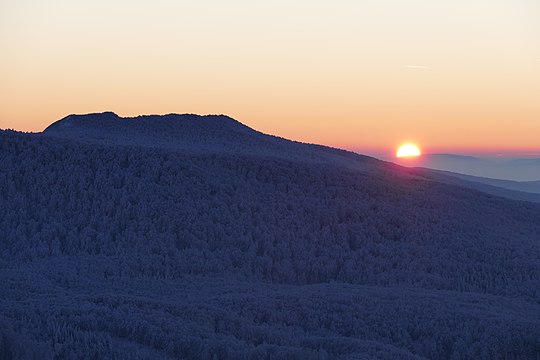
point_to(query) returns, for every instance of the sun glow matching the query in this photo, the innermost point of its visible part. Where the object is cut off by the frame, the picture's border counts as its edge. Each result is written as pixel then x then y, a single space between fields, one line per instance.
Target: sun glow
pixel 408 150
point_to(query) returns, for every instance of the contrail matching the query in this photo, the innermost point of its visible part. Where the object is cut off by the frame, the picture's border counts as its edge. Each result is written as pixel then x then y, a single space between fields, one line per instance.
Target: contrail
pixel 416 66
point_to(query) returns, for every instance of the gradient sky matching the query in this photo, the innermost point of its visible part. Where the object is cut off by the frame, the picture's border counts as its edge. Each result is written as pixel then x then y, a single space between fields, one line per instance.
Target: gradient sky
pixel 459 75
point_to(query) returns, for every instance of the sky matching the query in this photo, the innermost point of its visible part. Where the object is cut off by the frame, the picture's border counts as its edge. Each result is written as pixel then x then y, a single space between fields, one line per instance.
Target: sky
pixel 452 76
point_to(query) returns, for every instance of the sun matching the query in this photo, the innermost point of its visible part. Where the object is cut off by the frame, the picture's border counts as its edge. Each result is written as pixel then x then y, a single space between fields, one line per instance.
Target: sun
pixel 408 150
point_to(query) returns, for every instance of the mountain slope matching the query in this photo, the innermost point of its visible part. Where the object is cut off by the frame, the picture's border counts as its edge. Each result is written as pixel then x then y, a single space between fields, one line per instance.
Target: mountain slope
pixel 220 134
pixel 113 246
pixel 194 133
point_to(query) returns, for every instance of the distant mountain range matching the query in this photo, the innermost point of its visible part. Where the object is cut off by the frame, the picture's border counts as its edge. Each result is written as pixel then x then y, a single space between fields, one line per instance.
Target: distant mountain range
pixel 505 168
pixel 196 237
pixel 522 186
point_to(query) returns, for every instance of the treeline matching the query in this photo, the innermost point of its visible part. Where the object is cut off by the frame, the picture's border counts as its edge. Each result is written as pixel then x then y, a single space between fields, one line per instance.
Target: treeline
pixel 131 252
pixel 169 214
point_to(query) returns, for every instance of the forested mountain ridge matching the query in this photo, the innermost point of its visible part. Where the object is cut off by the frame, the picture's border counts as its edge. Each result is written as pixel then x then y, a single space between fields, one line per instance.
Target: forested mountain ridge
pixel 179 128
pixel 194 133
pixel 115 247
pixel 220 134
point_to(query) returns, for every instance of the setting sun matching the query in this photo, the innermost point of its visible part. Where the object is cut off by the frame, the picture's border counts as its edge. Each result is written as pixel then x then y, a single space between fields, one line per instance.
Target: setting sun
pixel 408 150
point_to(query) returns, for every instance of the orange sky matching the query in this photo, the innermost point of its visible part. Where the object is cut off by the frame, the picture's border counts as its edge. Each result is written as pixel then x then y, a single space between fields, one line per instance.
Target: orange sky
pixel 365 75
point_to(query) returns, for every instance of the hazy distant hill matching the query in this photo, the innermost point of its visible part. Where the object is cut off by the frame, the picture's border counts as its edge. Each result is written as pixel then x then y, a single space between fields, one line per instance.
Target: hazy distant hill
pixel 523 186
pixel 516 190
pixel 197 237
pixel 505 168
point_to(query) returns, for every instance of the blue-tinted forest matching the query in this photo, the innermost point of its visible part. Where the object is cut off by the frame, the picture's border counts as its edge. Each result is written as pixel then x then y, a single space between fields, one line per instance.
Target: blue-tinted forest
pixel 115 249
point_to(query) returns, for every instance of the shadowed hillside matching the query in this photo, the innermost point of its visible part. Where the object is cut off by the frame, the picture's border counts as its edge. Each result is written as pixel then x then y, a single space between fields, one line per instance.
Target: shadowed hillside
pixel 196 237
pixel 194 133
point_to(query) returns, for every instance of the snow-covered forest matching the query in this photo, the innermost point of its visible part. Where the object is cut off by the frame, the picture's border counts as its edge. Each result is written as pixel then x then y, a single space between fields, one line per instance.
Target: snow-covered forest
pixel 154 238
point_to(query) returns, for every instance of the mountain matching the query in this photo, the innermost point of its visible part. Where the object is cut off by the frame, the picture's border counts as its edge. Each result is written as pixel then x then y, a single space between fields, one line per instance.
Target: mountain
pixel 218 134
pixel 221 134
pixel 213 132
pixel 197 238
pixel 506 168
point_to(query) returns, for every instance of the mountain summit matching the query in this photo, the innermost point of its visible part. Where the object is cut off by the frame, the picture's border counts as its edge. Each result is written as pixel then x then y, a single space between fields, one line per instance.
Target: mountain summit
pixel 153 130
pixel 195 133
